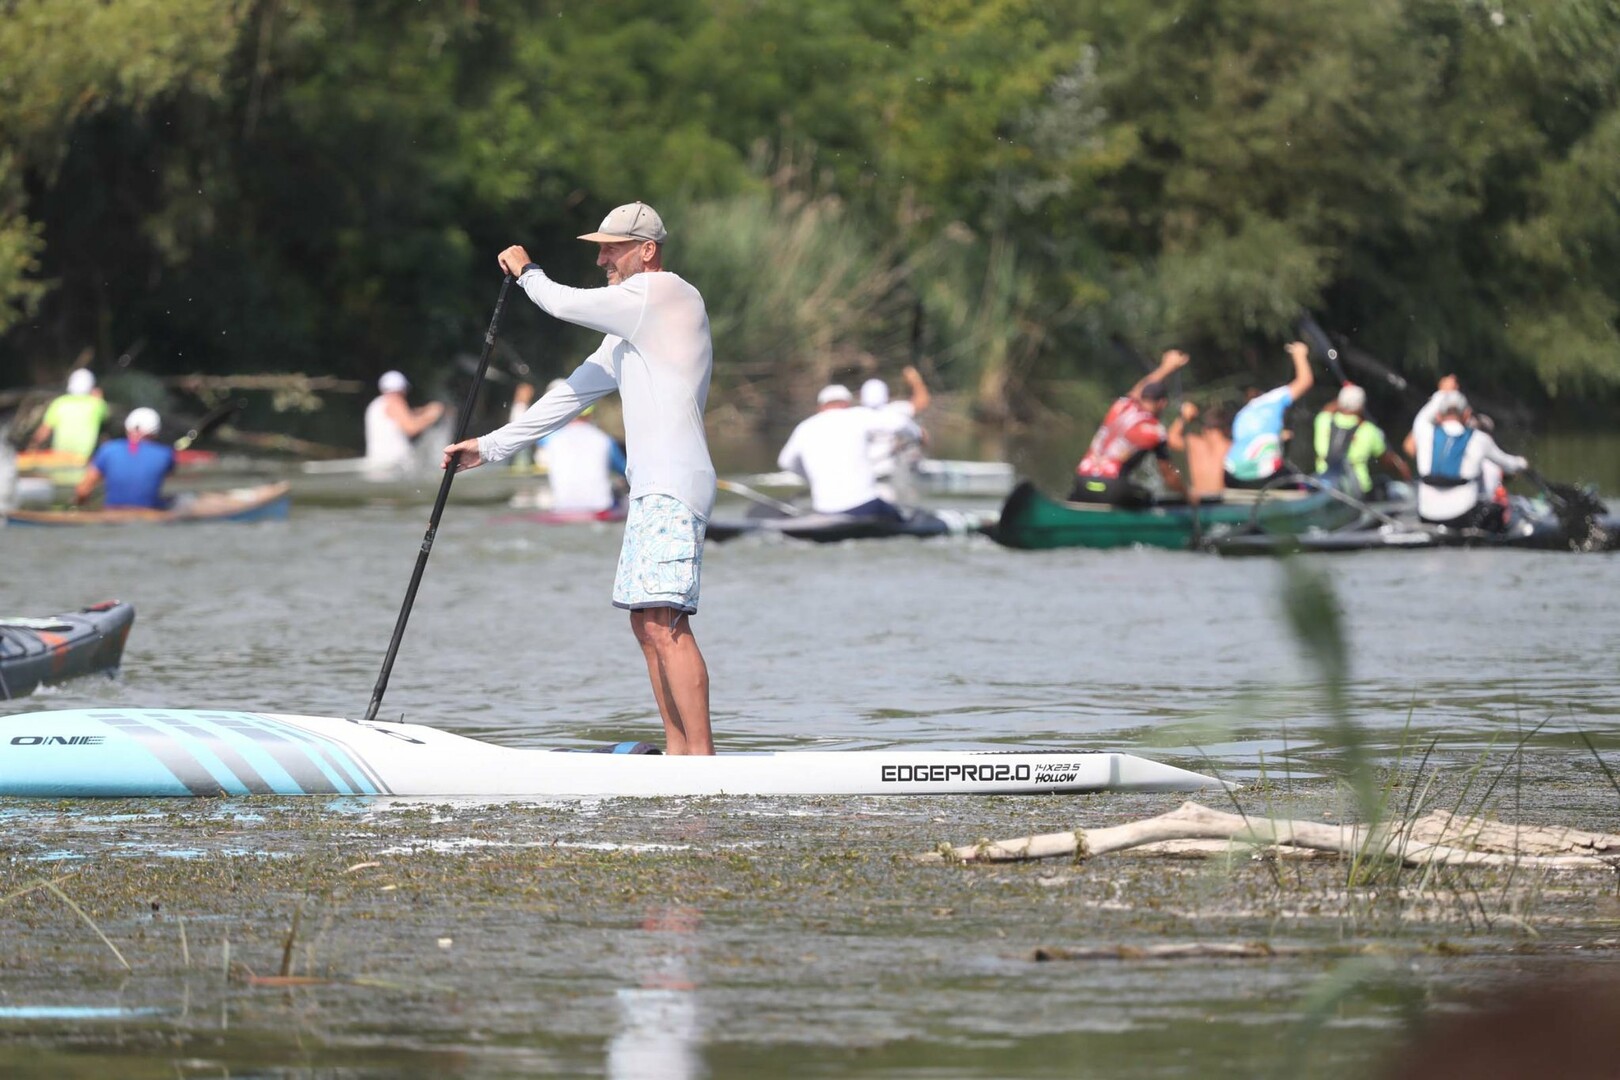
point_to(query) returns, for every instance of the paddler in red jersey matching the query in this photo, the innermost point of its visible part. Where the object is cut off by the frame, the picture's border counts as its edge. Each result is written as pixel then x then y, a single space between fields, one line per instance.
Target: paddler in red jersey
pixel 1130 432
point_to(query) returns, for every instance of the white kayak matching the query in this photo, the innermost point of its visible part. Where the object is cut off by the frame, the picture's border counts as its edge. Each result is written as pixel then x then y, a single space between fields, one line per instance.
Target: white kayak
pixel 136 753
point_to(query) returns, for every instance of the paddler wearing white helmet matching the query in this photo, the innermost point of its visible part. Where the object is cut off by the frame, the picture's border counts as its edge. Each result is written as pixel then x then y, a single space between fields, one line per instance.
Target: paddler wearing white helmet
pixel 133 468
pixel 72 421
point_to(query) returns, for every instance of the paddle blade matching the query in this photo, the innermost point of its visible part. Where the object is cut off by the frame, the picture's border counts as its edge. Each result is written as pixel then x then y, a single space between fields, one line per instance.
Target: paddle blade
pixel 1579 512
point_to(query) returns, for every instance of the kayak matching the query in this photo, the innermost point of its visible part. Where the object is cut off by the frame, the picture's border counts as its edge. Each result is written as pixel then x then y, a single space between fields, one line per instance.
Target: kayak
pixel 932 476
pixel 939 476
pixel 1032 520
pixel 354 482
pixel 265 502
pixel 46 478
pixel 45 461
pixel 139 753
pixel 832 528
pixel 49 650
pixel 1533 527
pixel 563 517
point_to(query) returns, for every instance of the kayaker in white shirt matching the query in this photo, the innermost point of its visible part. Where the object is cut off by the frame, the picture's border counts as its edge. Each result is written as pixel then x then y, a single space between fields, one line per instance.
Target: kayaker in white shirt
pixel 391 424
pixel 829 449
pixel 1450 456
pixel 581 462
pixel 897 442
pixel 657 354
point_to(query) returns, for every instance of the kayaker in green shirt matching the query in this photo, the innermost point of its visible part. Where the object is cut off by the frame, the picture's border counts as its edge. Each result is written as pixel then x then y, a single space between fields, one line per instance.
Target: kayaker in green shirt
pixel 1347 443
pixel 73 421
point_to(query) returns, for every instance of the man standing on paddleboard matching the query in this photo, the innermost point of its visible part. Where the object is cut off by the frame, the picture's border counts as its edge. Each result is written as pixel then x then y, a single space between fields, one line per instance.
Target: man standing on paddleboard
pixel 658 355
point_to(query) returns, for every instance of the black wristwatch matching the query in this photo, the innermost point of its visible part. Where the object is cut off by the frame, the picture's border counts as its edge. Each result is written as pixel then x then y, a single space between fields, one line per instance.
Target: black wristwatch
pixel 527 267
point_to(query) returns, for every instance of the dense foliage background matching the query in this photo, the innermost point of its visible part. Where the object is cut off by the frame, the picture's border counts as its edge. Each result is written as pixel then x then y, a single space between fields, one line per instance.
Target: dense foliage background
pixel 1003 191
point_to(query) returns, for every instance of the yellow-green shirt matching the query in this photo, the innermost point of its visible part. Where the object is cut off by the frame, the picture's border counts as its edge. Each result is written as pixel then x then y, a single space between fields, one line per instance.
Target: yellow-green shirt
pixel 1366 444
pixel 75 422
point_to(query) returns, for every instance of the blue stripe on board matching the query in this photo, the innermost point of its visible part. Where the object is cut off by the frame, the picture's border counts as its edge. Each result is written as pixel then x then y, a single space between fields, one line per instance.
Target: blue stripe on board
pixel 346 767
pixel 213 745
pixel 277 754
pixel 228 753
pixel 206 745
pixel 193 774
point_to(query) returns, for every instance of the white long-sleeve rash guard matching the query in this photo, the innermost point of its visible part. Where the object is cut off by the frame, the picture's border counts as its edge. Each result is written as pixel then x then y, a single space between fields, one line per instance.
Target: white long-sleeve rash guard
pixel 658 355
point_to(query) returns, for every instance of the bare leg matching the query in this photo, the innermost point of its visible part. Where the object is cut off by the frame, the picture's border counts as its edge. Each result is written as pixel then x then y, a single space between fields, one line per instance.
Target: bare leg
pixel 680 679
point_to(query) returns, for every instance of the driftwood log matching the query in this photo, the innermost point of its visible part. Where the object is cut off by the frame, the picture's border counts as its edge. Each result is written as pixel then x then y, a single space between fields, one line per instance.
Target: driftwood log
pixel 1442 839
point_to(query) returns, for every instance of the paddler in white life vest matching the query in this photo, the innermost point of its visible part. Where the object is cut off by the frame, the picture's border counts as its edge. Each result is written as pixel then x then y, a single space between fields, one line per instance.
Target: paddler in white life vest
pixel 897 443
pixel 1130 432
pixel 391 424
pixel 829 449
pixel 1450 458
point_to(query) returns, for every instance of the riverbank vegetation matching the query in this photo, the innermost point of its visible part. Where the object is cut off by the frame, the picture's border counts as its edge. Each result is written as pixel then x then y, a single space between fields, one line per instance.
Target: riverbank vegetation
pixel 1001 192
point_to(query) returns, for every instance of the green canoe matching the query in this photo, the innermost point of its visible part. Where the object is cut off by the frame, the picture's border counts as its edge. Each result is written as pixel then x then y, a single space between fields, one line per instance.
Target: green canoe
pixel 1032 520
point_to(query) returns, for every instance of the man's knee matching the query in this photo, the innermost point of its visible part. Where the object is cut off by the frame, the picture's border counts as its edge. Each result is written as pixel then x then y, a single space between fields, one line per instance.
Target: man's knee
pixel 656 628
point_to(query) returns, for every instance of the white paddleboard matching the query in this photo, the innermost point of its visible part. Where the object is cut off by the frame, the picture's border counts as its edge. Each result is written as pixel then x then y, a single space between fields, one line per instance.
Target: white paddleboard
pixel 135 753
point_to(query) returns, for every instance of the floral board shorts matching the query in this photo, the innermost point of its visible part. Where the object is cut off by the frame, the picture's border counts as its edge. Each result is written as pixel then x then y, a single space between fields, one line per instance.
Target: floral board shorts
pixel 662 556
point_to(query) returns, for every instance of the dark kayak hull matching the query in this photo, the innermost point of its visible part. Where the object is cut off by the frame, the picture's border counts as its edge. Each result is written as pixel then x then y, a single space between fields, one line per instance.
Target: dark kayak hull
pixel 834 528
pixel 51 650
pixel 1540 534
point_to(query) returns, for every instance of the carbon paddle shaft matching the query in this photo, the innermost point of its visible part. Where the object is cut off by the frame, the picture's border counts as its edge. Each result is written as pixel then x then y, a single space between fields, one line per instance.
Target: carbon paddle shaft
pixel 438 506
pixel 1316 337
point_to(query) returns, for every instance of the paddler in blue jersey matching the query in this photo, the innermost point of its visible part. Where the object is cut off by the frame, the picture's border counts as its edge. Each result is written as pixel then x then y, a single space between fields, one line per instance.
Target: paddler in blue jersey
pixel 1256 454
pixel 1450 458
pixel 133 469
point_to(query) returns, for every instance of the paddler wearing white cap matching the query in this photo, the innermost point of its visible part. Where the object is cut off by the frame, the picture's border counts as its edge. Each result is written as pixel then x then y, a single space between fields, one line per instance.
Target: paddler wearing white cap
pixel 1449 456
pixel 391 424
pixel 657 353
pixel 1347 443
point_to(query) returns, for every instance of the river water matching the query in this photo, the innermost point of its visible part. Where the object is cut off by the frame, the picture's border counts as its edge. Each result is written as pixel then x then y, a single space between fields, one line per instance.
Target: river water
pixel 932 645
pixel 940 644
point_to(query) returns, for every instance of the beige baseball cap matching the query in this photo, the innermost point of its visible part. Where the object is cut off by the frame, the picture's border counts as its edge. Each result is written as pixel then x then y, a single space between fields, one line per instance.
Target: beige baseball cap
pixel 632 221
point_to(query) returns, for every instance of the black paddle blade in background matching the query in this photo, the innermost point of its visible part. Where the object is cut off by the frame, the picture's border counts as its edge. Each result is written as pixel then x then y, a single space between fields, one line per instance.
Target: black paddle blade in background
pixel 1579 512
pixel 1314 336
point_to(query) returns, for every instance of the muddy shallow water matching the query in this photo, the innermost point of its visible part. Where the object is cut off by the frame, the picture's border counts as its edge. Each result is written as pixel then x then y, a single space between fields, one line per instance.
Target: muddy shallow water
pixel 744 938
pixel 701 937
